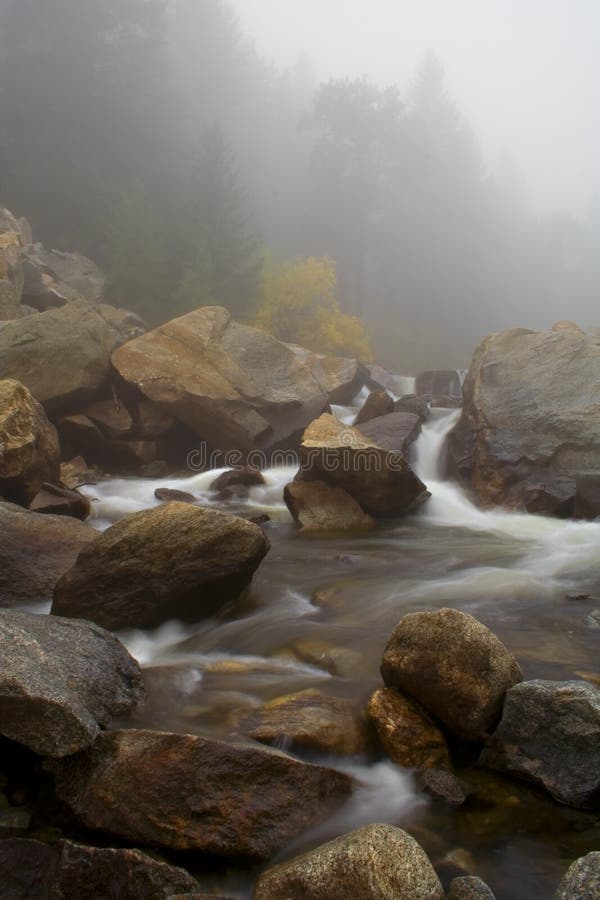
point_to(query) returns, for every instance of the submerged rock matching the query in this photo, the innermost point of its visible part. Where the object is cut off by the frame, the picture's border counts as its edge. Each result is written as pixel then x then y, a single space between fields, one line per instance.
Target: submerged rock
pixel 29 450
pixel 381 481
pixel 31 869
pixel 407 733
pixel 454 666
pixel 61 682
pixel 530 422
pixel 176 561
pixel 377 862
pixel 316 508
pixel 550 734
pixel 191 793
pixel 35 552
pixel 582 880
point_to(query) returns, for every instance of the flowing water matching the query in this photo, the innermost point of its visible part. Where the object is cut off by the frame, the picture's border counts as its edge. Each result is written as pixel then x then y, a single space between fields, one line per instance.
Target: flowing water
pixel 320 612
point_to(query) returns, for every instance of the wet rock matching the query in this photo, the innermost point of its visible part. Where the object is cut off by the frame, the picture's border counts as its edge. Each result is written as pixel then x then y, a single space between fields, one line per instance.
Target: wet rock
pixel 237 478
pixel 378 862
pixel 75 473
pixel 173 561
pixel 31 869
pixel 381 481
pixel 316 508
pixel 418 406
pixel 336 660
pixel 396 432
pixel 587 496
pixel 57 501
pixel 529 424
pixel 29 450
pixel 111 417
pixel 582 881
pixel 168 495
pixel 440 383
pixel 444 785
pixel 310 721
pixel 259 520
pixel 550 734
pixel 469 888
pixel 407 734
pixel 454 666
pixel 191 793
pixel 235 386
pixel 35 552
pixel 61 682
pixel 378 403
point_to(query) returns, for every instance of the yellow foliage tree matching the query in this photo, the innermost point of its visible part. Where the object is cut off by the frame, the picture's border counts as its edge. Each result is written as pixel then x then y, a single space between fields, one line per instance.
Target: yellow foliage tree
pixel 299 305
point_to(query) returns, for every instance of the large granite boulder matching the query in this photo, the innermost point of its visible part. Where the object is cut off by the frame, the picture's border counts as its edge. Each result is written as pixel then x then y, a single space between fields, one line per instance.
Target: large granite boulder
pixel 530 422
pixel 582 880
pixel 381 481
pixel 235 386
pixel 319 508
pixel 63 355
pixel 407 733
pixel 35 552
pixel 32 870
pixel 29 449
pixel 377 862
pixel 454 666
pixel 176 561
pixel 53 278
pixel 550 734
pixel 61 681
pixel 191 793
pixel 397 431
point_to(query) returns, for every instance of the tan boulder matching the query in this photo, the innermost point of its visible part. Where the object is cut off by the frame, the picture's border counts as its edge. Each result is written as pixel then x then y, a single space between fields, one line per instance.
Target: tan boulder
pixel 407 733
pixel 316 508
pixel 29 449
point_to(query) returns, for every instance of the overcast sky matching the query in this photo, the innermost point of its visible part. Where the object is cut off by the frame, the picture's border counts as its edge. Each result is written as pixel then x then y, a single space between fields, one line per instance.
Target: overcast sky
pixel 526 73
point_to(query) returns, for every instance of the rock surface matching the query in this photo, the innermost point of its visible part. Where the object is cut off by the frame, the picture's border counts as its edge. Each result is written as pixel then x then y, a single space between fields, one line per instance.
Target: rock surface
pixel 32 870
pixel 407 733
pixel 454 666
pixel 35 552
pixel 530 421
pixel 440 383
pixel 378 403
pixel 378 862
pixel 235 386
pixel 550 734
pixel 11 266
pixel 469 888
pixel 53 278
pixel 397 431
pixel 53 500
pixel 191 793
pixel 582 880
pixel 316 508
pixel 61 682
pixel 381 481
pixel 62 355
pixel 176 561
pixel 29 449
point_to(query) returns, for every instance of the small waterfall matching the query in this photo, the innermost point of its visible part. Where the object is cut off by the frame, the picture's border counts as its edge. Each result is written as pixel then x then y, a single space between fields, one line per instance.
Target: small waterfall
pixel 429 446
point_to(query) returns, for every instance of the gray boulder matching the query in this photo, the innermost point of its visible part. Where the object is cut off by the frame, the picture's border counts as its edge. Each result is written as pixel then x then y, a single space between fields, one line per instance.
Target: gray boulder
pixel 61 682
pixel 529 425
pixel 396 432
pixel 582 881
pixel 377 862
pixel 53 278
pixel 550 734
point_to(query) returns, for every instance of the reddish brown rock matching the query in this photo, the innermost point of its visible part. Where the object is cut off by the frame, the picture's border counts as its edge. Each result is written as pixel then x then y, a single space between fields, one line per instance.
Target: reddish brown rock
pixel 407 733
pixel 53 500
pixel 378 403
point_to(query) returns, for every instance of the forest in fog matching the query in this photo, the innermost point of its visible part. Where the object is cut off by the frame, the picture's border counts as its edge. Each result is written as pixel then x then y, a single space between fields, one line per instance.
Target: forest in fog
pixel 360 219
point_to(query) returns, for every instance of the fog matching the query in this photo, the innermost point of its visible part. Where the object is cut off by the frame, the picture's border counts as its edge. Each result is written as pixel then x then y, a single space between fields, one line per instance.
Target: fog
pixel 526 75
pixel 390 180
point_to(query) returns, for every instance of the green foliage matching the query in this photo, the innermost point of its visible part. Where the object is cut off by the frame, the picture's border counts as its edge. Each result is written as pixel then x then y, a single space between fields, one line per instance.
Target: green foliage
pixel 299 305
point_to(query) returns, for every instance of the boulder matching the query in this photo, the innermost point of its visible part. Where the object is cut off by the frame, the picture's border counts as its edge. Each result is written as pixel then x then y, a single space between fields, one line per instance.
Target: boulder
pixel 61 682
pixel 237 481
pixel 190 793
pixel 396 432
pixel 454 666
pixel 587 496
pixel 80 435
pixel 29 449
pixel 418 406
pixel 31 869
pixel 310 721
pixel 176 561
pixel 53 278
pixel 381 481
pixel 111 417
pixel 168 495
pixel 440 383
pixel 35 552
pixel 53 500
pixel 407 734
pixel 11 269
pixel 235 386
pixel 469 888
pixel 377 862
pixel 378 403
pixel 582 880
pixel 444 785
pixel 550 734
pixel 316 508
pixel 530 423
pixel 62 355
